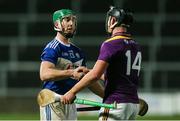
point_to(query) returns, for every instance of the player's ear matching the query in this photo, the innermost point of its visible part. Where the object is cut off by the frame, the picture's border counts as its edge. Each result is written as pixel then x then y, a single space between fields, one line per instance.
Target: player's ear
pixel 57 26
pixel 113 22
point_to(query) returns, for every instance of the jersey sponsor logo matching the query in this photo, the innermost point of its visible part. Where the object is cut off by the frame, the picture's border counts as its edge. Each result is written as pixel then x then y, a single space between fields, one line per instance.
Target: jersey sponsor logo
pixel 64 54
pixel 63 64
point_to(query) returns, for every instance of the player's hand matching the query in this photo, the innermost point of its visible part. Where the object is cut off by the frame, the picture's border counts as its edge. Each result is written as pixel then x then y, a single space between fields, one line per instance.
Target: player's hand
pixel 85 70
pixel 82 69
pixel 80 72
pixel 78 75
pixel 68 98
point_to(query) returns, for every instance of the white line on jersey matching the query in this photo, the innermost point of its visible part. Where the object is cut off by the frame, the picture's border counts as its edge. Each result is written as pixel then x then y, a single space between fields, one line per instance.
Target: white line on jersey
pixel 53 44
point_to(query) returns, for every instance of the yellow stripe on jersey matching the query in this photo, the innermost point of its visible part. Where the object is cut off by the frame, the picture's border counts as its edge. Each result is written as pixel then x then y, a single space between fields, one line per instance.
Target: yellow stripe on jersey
pixel 117 37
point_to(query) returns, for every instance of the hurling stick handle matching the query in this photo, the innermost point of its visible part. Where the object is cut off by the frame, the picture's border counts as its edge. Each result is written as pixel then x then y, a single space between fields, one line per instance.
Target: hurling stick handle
pixel 88 108
pixel 93 103
pixel 88 102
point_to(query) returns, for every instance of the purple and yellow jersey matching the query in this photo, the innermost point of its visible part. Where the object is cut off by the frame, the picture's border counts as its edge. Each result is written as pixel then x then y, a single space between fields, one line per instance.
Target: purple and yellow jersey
pixel 123 55
pixel 63 57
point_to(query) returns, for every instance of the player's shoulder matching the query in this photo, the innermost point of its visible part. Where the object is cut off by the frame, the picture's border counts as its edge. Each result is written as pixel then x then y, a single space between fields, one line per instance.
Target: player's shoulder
pixel 116 40
pixel 75 47
pixel 53 44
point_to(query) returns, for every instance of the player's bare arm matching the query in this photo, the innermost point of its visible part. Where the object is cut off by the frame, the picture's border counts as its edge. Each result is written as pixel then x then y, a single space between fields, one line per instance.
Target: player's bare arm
pixel 101 78
pixel 48 71
pixel 89 78
pixel 96 87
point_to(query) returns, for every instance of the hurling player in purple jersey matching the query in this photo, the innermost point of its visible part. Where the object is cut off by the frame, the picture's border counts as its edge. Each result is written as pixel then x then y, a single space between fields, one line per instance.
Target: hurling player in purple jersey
pixel 120 62
pixel 63 64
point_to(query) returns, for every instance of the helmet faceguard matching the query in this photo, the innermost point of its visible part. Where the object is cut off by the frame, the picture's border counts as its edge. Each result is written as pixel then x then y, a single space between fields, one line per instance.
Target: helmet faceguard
pixel 58 17
pixel 123 18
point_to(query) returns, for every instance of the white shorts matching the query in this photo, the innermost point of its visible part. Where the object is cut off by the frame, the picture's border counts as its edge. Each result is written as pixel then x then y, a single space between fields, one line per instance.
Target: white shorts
pixel 58 111
pixel 124 111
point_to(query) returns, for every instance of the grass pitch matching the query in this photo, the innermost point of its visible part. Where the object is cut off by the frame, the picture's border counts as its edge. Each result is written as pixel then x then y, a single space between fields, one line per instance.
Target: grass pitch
pixel 80 117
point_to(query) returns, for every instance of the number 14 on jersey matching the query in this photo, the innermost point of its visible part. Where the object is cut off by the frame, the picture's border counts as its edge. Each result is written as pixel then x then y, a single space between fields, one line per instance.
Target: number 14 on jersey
pixel 136 63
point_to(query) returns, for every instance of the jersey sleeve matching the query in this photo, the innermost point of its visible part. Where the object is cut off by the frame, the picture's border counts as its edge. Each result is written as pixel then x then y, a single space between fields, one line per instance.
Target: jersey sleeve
pixel 105 52
pixel 49 54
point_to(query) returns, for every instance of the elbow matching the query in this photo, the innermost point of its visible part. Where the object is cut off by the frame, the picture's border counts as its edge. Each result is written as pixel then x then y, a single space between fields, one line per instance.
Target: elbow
pixel 44 77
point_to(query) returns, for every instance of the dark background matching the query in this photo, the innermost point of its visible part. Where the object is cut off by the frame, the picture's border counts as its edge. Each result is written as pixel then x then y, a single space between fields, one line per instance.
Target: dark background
pixel 26 26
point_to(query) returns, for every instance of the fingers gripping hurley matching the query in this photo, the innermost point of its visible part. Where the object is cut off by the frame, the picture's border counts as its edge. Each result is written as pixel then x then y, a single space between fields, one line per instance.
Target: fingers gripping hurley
pixel 47 96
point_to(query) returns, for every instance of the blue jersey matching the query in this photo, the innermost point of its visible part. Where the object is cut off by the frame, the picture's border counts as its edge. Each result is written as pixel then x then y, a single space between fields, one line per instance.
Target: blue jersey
pixel 63 57
pixel 121 77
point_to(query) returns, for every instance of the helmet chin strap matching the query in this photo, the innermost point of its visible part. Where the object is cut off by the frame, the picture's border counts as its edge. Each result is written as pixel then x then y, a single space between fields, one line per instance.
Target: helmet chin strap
pixel 66 35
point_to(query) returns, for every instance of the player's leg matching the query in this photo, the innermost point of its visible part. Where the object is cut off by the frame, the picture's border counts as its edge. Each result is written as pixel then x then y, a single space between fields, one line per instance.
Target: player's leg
pixel 123 112
pixel 103 114
pixel 135 109
pixel 45 113
pixel 54 111
pixel 113 114
pixel 71 112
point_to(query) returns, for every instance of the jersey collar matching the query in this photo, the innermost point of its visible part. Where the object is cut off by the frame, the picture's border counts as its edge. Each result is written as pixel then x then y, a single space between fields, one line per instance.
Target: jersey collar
pixel 68 45
pixel 119 35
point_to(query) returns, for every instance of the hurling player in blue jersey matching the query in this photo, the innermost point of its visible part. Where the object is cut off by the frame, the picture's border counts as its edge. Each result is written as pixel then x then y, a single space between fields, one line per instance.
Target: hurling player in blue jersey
pixel 120 62
pixel 63 64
